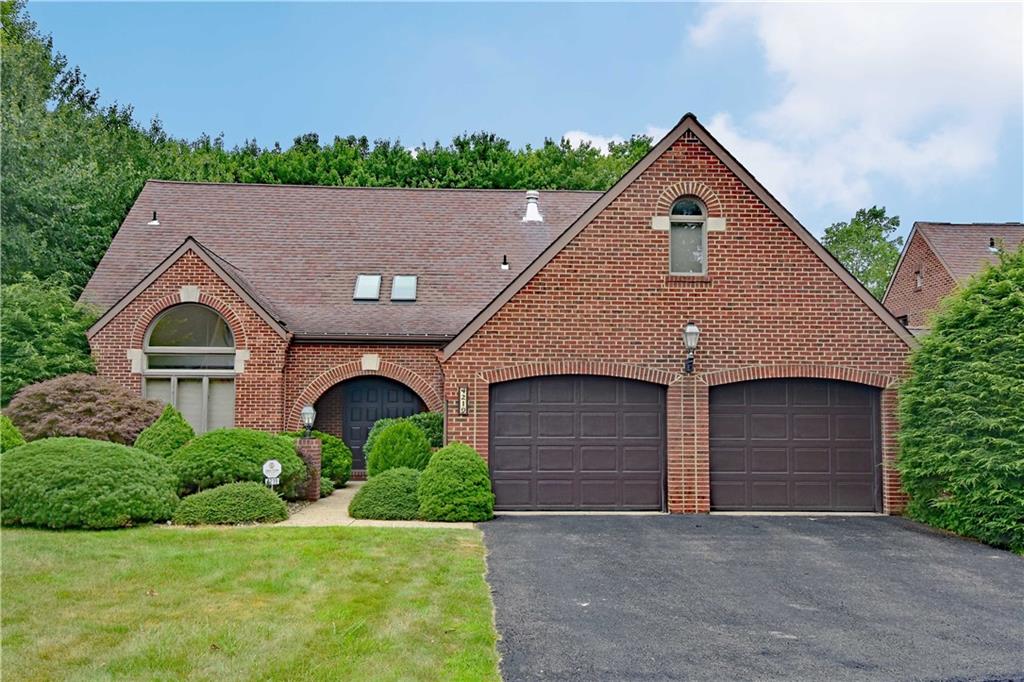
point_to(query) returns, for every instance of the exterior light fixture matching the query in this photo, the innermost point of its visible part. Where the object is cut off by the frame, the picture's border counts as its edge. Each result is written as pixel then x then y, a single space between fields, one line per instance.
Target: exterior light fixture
pixel 308 417
pixel 691 336
pixel 154 221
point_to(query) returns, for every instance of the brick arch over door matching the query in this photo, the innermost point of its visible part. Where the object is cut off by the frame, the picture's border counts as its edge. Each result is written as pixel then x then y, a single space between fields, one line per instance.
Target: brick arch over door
pixel 144 321
pixel 349 370
pixel 798 371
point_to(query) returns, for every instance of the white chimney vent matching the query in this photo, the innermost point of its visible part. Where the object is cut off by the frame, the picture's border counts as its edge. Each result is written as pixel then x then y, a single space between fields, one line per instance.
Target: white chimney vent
pixel 532 208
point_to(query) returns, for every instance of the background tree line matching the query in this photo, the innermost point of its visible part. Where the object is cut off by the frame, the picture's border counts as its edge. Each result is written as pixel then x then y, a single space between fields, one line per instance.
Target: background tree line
pixel 72 167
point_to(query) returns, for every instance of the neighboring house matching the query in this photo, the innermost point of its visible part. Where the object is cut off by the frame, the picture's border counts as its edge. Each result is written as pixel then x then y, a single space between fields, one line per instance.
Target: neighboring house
pixel 547 327
pixel 936 259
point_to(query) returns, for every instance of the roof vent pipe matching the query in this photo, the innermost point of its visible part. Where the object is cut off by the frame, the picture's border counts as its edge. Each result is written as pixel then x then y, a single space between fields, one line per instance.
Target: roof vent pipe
pixel 532 208
pixel 992 245
pixel 504 263
pixel 154 221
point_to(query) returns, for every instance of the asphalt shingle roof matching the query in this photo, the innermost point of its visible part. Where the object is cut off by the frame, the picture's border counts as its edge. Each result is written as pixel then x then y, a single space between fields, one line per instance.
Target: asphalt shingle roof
pixel 963 248
pixel 298 249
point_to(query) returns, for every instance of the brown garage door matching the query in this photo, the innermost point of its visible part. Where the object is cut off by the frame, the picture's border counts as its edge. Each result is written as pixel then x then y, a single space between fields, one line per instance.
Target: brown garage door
pixel 795 444
pixel 578 442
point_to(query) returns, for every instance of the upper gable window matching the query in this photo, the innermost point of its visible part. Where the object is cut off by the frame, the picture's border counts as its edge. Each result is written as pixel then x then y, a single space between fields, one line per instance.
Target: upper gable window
pixel 403 288
pixel 688 238
pixel 367 288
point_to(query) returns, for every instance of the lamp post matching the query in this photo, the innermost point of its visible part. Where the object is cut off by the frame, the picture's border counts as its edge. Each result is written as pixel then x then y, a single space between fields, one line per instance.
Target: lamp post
pixel 308 415
pixel 691 336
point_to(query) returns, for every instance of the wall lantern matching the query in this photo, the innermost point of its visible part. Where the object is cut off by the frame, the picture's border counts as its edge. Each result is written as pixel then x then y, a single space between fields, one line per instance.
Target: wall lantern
pixel 308 415
pixel 691 336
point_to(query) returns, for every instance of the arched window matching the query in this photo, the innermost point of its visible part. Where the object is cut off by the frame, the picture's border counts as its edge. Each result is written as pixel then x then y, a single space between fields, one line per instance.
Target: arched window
pixel 190 363
pixel 688 237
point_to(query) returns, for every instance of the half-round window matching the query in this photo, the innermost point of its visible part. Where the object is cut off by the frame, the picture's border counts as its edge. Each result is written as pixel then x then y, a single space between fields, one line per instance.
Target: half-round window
pixel 688 237
pixel 190 363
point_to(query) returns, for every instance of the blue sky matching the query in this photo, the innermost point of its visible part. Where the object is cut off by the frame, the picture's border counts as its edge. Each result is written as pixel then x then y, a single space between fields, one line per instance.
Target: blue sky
pixel 915 107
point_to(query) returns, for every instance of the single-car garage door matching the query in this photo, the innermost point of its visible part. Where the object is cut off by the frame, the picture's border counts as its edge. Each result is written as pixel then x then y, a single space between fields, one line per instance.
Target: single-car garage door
pixel 577 442
pixel 795 444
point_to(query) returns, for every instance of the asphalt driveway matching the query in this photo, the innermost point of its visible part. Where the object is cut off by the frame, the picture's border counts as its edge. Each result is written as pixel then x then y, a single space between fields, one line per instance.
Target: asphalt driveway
pixel 743 598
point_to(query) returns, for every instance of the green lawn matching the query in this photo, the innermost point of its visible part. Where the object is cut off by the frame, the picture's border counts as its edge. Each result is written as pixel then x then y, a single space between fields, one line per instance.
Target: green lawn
pixel 246 603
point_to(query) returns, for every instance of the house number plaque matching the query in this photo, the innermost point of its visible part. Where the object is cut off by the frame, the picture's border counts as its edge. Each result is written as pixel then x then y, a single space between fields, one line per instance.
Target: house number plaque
pixel 463 400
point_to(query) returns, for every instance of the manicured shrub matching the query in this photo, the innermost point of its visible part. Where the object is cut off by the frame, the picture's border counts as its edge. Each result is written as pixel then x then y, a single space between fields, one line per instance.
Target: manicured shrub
pixel 82 405
pixel 375 430
pixel 82 483
pixel 233 455
pixel 389 495
pixel 962 421
pixel 398 445
pixel 336 458
pixel 10 436
pixel 164 436
pixel 455 486
pixel 326 486
pixel 247 502
pixel 432 424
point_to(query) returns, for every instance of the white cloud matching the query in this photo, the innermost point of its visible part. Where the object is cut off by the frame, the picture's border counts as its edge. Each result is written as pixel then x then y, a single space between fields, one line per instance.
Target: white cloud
pixel 872 94
pixel 578 137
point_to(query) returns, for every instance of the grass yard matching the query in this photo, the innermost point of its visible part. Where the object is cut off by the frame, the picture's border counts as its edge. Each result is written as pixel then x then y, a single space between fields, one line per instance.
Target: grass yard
pixel 246 603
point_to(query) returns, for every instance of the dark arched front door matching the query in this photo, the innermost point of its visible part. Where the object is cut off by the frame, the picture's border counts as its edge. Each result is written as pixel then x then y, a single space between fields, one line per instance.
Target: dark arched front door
pixel 364 401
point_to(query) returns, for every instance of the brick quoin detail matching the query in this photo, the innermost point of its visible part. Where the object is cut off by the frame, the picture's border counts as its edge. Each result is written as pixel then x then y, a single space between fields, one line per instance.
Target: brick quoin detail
pixel 691 188
pixel 336 375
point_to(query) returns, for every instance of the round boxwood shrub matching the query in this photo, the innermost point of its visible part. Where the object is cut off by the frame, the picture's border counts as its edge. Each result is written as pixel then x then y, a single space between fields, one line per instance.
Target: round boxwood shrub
pixel 455 486
pixel 962 422
pixel 82 483
pixel 246 502
pixel 432 424
pixel 164 436
pixel 233 455
pixel 82 405
pixel 10 436
pixel 375 430
pixel 335 456
pixel 399 445
pixel 389 495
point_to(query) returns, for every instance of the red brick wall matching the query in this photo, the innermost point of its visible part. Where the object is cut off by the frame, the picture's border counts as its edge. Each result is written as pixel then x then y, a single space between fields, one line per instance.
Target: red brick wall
pixel 904 298
pixel 605 304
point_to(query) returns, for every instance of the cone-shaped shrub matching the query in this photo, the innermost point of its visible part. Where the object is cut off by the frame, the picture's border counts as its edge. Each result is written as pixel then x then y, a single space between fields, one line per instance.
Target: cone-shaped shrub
pixel 399 445
pixel 335 457
pixel 10 436
pixel 389 495
pixel 247 502
pixel 164 436
pixel 233 455
pixel 962 421
pixel 82 483
pixel 456 486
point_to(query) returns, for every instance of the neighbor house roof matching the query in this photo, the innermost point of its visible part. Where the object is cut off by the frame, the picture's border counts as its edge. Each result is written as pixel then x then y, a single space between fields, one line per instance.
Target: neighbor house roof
pixel 964 248
pixel 296 250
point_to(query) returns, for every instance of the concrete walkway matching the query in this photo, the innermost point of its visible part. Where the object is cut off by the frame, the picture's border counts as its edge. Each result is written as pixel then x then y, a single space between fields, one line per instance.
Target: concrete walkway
pixel 333 511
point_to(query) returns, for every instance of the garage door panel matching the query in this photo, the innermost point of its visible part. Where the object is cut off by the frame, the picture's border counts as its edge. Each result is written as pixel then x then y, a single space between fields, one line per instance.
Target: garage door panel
pixel 593 443
pixel 807 444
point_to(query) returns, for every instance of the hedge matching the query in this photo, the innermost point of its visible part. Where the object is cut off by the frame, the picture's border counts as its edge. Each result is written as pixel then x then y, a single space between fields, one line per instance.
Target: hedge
pixel 246 502
pixel 82 405
pixel 962 417
pixel 431 423
pixel 233 455
pixel 389 495
pixel 336 458
pixel 10 436
pixel 82 483
pixel 456 486
pixel 166 435
pixel 399 445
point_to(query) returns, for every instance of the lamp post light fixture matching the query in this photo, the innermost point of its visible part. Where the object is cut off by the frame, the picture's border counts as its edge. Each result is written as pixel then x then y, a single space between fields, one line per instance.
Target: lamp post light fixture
pixel 691 336
pixel 308 417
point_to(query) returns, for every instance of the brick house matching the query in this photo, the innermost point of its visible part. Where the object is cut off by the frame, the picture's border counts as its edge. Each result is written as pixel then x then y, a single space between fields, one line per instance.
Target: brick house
pixel 936 259
pixel 547 327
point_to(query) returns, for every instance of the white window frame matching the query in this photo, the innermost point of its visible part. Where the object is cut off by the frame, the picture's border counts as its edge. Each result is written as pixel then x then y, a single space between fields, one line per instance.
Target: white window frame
pixel 679 220
pixel 174 374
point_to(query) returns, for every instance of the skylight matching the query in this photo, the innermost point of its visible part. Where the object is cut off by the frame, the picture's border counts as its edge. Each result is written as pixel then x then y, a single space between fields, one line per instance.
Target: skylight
pixel 403 288
pixel 367 288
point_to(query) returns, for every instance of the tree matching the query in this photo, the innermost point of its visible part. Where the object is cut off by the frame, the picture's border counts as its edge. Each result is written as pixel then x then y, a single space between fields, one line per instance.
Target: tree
pixel 962 433
pixel 43 334
pixel 866 247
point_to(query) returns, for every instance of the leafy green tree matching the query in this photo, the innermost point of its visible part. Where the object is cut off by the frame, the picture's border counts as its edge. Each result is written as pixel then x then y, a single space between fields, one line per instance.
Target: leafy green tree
pixel 43 333
pixel 962 434
pixel 866 247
